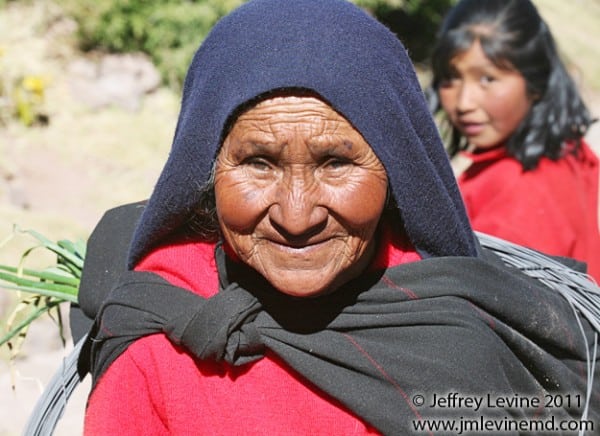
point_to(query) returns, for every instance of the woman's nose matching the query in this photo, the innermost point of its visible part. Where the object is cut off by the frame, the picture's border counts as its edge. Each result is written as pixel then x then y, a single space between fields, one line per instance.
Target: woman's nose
pixel 296 211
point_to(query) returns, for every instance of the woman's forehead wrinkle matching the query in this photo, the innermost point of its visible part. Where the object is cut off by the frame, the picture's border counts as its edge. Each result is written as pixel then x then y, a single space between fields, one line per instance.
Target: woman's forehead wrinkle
pixel 318 127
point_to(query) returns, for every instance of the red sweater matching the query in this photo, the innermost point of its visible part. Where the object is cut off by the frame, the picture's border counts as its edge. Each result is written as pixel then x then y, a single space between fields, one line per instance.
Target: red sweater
pixel 553 208
pixel 155 388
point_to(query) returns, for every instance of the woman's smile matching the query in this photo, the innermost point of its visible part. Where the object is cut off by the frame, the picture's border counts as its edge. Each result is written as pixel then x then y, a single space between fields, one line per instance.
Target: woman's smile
pixel 306 248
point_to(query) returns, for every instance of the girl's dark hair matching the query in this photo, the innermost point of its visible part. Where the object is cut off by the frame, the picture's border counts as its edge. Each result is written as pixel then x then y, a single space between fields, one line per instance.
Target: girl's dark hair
pixel 514 36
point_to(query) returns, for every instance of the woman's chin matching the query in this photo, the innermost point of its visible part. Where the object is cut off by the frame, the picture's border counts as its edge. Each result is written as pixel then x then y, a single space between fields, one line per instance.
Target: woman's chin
pixel 304 284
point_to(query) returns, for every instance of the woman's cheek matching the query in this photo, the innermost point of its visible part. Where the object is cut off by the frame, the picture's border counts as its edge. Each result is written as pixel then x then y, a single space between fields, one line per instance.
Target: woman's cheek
pixel 239 202
pixel 359 200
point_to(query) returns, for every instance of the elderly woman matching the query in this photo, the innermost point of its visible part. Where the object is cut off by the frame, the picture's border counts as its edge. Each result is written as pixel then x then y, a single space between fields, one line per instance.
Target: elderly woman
pixel 305 265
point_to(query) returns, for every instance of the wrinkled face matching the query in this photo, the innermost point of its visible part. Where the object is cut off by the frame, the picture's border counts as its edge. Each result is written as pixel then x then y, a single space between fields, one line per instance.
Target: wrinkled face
pixel 299 195
pixel 484 102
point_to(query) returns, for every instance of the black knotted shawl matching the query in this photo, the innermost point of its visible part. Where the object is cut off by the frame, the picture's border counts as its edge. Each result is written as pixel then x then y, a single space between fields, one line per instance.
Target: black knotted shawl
pixel 452 324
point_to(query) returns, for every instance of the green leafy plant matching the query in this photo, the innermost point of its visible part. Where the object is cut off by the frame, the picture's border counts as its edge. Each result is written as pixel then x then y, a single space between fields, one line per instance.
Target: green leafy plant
pixel 40 291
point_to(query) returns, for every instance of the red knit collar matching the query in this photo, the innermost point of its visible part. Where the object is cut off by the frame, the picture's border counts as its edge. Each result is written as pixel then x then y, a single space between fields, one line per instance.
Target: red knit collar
pixel 491 154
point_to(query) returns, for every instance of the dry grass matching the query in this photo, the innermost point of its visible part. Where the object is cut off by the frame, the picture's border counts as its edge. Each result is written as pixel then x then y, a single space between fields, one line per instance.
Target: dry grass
pixel 64 176
pixel 84 161
pixel 575 25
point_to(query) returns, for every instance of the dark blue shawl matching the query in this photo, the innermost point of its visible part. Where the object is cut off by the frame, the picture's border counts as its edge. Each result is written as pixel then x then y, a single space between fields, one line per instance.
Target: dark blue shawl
pixel 354 63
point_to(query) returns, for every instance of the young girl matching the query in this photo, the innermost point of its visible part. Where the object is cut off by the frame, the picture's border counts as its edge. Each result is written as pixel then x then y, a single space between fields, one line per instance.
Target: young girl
pixel 518 117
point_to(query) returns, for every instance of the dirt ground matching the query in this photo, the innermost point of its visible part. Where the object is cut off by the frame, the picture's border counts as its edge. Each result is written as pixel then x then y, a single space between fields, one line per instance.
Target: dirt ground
pixel 59 179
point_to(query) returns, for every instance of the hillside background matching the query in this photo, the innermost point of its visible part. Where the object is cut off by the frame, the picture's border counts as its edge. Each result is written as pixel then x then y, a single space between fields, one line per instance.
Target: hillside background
pixel 97 153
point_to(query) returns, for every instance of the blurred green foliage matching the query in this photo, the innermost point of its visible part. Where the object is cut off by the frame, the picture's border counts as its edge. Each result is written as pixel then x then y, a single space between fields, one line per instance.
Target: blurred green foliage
pixel 377 4
pixel 171 30
pixel 415 22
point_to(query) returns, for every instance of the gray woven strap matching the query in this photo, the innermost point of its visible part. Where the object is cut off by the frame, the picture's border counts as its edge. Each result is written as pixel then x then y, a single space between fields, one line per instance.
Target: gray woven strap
pixel 53 401
pixel 577 288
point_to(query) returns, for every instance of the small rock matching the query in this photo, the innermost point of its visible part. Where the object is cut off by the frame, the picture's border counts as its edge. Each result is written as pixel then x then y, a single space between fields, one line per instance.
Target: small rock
pixel 120 80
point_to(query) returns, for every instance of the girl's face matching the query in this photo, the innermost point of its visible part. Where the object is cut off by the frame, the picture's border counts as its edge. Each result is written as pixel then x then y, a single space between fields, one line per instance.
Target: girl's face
pixel 485 103
pixel 299 195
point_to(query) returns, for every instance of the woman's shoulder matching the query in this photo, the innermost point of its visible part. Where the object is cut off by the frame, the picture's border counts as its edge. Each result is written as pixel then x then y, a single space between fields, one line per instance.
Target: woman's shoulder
pixel 185 262
pixel 156 354
pixel 155 362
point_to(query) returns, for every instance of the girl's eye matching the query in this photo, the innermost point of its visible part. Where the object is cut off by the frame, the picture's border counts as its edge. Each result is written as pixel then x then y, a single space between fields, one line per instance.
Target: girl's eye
pixel 486 79
pixel 450 82
pixel 450 78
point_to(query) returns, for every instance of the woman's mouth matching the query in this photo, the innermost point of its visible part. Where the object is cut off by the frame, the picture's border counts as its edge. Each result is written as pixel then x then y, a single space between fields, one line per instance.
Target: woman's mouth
pixel 298 248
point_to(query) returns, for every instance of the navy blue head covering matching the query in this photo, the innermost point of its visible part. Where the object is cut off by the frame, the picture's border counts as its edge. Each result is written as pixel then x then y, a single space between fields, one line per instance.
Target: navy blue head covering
pixel 354 63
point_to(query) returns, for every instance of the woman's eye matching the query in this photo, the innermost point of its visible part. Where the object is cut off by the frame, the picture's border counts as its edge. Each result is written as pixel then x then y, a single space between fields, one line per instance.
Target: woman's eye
pixel 337 163
pixel 258 163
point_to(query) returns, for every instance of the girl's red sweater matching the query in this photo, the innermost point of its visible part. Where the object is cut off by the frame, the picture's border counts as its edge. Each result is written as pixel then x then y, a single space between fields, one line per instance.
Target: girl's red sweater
pixel 553 208
pixel 156 388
